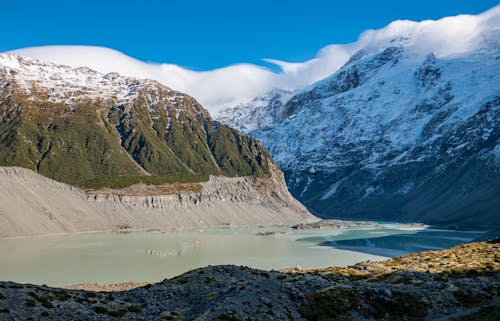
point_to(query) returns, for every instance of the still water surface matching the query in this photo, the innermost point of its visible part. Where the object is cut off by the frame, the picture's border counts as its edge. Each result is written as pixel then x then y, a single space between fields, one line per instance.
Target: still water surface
pixel 111 257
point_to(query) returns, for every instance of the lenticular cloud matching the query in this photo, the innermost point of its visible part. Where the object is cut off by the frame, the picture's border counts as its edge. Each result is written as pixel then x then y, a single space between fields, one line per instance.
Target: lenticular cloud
pixel 445 37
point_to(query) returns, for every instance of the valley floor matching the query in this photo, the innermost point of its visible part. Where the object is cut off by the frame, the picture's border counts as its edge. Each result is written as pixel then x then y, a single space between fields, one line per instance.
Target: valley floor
pixel 461 283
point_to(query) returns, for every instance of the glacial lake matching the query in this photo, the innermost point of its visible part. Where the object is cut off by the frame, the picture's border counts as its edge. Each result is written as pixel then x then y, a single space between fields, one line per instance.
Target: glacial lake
pixel 112 257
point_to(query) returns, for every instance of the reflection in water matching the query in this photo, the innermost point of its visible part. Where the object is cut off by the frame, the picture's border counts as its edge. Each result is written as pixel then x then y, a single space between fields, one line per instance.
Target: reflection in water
pixel 401 244
pixel 111 257
pixel 181 249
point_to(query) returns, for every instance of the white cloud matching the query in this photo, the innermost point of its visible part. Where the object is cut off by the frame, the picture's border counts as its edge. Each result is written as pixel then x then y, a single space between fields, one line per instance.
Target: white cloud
pixel 444 37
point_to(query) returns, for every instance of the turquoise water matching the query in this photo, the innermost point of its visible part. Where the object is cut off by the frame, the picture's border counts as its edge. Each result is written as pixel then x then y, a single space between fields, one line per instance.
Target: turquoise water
pixel 395 242
pixel 111 257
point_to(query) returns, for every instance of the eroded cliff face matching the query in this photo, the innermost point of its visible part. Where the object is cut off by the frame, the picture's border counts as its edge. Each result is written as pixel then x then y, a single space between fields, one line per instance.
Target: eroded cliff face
pixel 31 204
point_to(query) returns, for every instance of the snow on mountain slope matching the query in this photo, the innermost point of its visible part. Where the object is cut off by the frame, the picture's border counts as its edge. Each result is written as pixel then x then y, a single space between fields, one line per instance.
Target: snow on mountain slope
pixel 250 114
pixel 90 129
pixel 407 131
pixel 142 151
pixel 208 87
pixel 230 85
pixel 65 84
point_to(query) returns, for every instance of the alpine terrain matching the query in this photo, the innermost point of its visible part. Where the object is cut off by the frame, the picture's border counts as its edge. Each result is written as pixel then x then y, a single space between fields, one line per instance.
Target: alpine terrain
pixel 407 130
pixel 129 143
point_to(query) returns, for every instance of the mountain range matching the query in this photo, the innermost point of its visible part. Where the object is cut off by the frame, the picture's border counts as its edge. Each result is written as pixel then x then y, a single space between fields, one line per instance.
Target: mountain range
pixel 405 129
pixel 401 132
pixel 123 152
pixel 92 130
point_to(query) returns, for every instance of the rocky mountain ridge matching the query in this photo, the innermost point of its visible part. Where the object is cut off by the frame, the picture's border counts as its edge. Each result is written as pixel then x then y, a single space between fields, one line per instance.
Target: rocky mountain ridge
pixel 136 155
pixel 92 130
pixel 395 134
pixel 259 112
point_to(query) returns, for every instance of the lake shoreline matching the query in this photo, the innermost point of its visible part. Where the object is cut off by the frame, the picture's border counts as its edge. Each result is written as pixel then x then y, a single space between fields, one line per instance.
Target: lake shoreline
pixel 319 224
pixel 107 258
pixel 425 285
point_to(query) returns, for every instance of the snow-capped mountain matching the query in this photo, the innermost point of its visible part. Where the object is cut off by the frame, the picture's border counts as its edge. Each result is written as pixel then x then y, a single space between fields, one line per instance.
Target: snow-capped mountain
pixel 401 131
pixel 68 85
pixel 89 129
pixel 146 155
pixel 259 112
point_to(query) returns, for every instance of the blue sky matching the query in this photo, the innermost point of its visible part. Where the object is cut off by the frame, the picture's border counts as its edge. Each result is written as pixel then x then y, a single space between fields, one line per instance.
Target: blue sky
pixel 203 35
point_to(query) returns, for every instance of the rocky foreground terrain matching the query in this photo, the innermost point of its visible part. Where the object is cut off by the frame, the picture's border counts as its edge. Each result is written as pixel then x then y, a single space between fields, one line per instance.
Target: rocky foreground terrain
pixel 461 283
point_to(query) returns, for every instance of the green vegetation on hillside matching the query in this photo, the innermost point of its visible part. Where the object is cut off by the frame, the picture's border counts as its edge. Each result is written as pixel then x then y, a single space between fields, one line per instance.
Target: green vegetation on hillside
pixel 98 144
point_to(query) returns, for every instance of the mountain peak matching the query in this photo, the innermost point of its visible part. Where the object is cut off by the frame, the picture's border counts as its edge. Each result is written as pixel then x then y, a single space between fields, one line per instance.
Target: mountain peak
pixel 71 85
pixel 220 87
pixel 387 134
pixel 90 129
